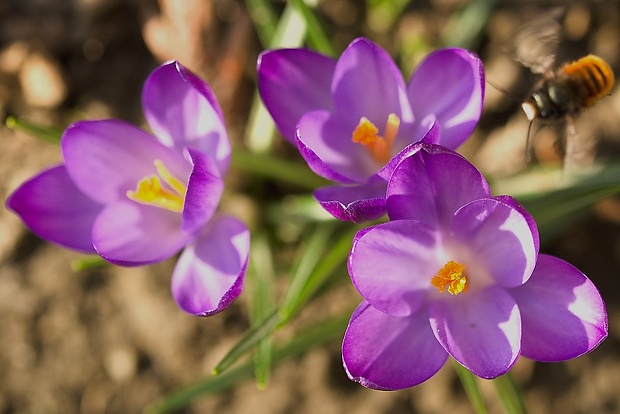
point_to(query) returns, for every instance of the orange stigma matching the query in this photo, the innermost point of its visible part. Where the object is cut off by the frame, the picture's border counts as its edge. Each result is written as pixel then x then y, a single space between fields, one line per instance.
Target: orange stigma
pixel 367 134
pixel 451 277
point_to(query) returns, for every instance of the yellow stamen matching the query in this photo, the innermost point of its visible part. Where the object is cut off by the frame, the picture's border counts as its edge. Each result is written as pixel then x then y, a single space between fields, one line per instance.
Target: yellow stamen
pixel 367 134
pixel 391 128
pixel 150 191
pixel 170 179
pixel 452 277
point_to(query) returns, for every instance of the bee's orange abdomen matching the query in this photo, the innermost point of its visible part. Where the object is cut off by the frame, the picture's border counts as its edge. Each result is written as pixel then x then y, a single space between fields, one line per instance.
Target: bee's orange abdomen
pixel 595 74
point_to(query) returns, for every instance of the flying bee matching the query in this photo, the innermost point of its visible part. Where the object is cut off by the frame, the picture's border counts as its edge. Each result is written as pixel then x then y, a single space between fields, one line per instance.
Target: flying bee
pixel 561 93
pixel 569 89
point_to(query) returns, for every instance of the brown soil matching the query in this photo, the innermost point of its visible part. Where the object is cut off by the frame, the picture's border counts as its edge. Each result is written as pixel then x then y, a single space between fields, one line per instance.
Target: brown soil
pixel 112 341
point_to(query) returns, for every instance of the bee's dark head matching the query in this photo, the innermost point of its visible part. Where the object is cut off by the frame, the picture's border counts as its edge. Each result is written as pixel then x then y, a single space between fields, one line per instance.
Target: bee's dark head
pixel 558 94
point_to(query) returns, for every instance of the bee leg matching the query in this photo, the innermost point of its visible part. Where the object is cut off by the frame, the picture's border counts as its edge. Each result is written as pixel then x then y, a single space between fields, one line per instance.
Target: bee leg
pixel 528 143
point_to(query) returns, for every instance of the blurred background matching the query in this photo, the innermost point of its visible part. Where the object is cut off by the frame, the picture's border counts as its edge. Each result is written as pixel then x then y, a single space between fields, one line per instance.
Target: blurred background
pixel 111 340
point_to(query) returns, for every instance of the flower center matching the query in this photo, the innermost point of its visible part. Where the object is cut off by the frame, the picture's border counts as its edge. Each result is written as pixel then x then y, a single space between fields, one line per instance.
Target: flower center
pixel 367 134
pixel 451 277
pixel 150 191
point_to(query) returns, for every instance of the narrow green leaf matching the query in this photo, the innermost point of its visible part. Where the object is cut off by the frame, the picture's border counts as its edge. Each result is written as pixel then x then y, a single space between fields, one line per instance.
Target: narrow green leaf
pixel 260 130
pixel 297 210
pixel 336 256
pixel 466 28
pixel 322 333
pixel 552 209
pixel 290 32
pixel 383 14
pixel 249 340
pixel 264 18
pixel 89 263
pixel 509 394
pixel 319 275
pixel 263 360
pixel 316 35
pixel 308 255
pixel 208 386
pixel 276 168
pixel 470 385
pixel 261 279
pixel 48 134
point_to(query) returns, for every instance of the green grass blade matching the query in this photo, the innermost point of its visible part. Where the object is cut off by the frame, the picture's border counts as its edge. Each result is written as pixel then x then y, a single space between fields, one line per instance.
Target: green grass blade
pixel 470 385
pixel 322 333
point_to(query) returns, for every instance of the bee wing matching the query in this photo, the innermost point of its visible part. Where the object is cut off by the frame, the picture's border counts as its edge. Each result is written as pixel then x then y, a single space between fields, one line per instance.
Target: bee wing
pixel 535 43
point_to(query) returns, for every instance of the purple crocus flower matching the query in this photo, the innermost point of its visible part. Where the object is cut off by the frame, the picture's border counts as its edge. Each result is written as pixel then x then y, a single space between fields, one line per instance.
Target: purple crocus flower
pixel 136 198
pixel 457 272
pixel 353 119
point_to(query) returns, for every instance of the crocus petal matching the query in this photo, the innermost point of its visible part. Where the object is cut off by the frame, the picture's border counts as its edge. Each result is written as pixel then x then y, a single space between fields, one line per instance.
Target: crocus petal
pixel 428 130
pixel 356 203
pixel 204 190
pixel 132 234
pixel 498 241
pixel 481 330
pixel 431 184
pixel 449 83
pixel 210 272
pixel 182 112
pixel 364 76
pixel 388 352
pixel 511 202
pixel 107 158
pixel 562 312
pixel 292 82
pixel 392 264
pixel 54 209
pixel 327 147
pixel 433 136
